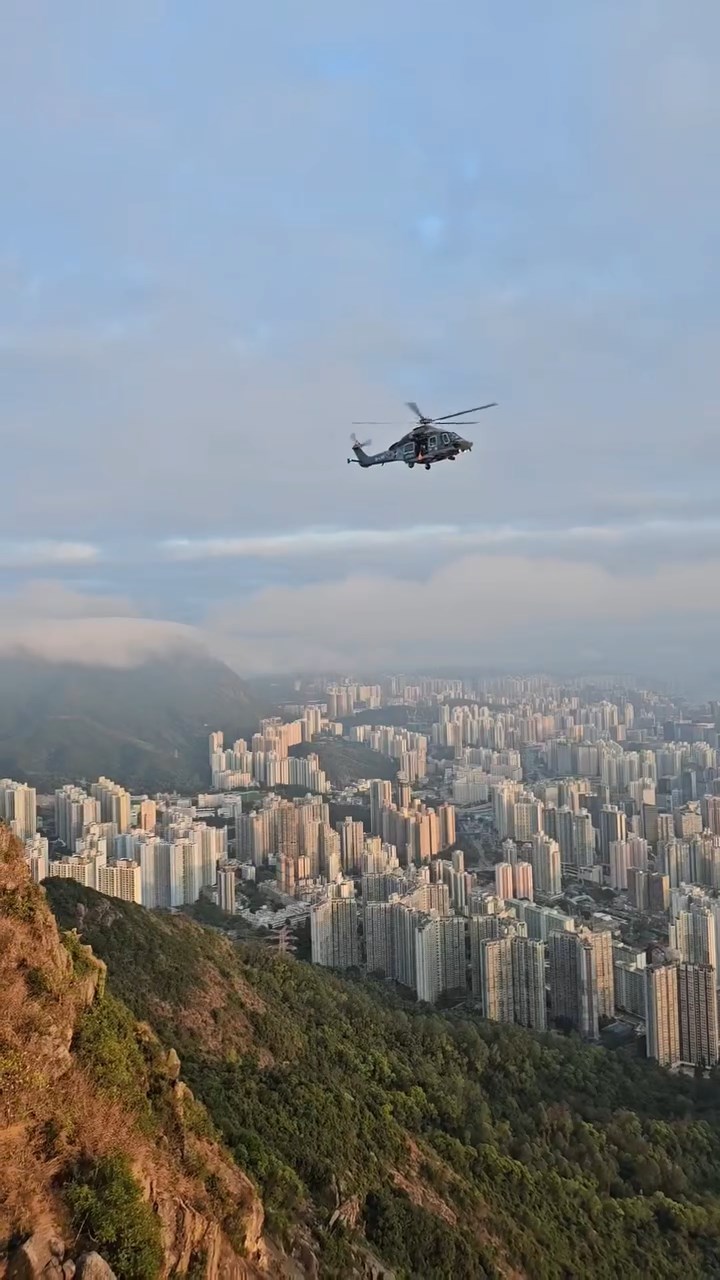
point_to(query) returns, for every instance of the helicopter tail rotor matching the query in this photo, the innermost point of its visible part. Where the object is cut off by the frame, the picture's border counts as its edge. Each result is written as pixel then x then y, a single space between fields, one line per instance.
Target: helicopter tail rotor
pixel 359 444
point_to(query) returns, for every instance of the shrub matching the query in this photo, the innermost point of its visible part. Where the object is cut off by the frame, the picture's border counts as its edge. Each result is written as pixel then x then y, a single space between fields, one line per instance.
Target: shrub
pixel 21 903
pixel 38 983
pixel 108 1212
pixel 106 1045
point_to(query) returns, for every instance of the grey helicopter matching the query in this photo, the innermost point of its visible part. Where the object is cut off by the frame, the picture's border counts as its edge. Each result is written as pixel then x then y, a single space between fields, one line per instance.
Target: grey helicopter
pixel 427 442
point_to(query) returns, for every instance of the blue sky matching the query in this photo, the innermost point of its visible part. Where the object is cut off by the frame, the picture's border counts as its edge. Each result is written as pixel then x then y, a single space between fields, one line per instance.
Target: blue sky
pixel 228 230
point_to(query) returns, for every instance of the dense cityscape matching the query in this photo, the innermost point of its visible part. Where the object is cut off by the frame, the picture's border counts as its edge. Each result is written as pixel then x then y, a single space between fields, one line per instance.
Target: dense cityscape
pixel 548 853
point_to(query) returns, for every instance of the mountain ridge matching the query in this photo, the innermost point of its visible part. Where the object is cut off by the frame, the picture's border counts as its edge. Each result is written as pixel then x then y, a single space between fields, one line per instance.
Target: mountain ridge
pixel 145 726
pixel 102 1144
pixel 445 1145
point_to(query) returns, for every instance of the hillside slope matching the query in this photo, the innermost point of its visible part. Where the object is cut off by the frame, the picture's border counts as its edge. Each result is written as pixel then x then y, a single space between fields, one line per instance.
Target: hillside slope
pixel 450 1146
pixel 102 1145
pixel 347 762
pixel 145 726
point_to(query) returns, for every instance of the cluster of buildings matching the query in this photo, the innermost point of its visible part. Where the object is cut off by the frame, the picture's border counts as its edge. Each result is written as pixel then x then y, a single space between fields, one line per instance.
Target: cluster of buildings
pixel 405 746
pixel 153 852
pixel 615 795
pixel 266 761
pixel 308 853
pixel 590 893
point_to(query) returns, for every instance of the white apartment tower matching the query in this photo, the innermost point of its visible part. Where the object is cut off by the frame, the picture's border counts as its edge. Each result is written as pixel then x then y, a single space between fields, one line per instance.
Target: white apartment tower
pixel 122 879
pixel 18 808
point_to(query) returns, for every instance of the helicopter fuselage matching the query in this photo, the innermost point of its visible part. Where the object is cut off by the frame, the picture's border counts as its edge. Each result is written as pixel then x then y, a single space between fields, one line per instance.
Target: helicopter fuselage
pixel 417 448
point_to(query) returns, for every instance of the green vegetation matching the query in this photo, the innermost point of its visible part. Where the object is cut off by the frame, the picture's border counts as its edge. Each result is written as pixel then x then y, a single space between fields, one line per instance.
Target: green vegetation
pixel 21 902
pixel 106 1044
pixel 109 1213
pixel 419 1243
pixel 471 1148
pixel 82 960
pixel 346 762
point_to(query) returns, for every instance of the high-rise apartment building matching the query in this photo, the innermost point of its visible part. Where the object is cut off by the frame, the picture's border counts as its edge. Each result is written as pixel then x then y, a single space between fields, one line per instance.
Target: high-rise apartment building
pixel 658 892
pixel 528 977
pixel 523 881
pixel 546 865
pixel 712 804
pixel 446 826
pixel 115 803
pixel 527 818
pixel 564 833
pixel 380 798
pixel 379 930
pixel 665 827
pixel 74 811
pixel 697 1014
pixel 334 933
pixel 601 942
pixel 583 838
pixel 638 884
pixel 504 885
pixel 18 808
pixel 629 966
pixel 619 856
pixel 122 879
pixel 682 1016
pixel 287 846
pixel 573 982
pixel 613 829
pixel 663 1026
pixel 352 841
pixel 226 886
pixel 693 935
pixel 496 979
pixel 147 814
pixel 37 857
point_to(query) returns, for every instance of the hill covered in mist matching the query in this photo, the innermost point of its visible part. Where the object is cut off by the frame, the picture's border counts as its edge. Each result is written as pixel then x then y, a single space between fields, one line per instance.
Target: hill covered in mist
pixel 145 726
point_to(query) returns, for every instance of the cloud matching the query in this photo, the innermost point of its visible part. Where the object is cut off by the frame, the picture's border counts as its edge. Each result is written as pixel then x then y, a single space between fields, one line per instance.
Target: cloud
pixel 655 537
pixel 32 555
pixel 50 622
pixel 215 270
pixel 476 610
pixel 279 297
pixel 46 598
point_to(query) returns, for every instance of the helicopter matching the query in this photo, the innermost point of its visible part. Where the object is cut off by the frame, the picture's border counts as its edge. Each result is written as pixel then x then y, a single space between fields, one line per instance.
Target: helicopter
pixel 427 442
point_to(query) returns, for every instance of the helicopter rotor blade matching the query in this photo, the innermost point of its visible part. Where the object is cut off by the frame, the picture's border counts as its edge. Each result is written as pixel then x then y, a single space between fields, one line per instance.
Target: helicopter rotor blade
pixel 414 409
pixel 447 416
pixel 360 443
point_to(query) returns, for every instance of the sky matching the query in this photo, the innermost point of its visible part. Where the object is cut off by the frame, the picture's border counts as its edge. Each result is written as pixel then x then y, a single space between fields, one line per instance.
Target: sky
pixel 228 231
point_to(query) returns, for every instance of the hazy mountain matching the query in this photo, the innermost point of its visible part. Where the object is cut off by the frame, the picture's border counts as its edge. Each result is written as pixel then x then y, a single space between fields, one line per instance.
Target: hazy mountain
pixel 144 726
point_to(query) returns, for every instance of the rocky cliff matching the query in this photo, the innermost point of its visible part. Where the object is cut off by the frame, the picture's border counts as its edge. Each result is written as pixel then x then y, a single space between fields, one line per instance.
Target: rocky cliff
pixel 108 1165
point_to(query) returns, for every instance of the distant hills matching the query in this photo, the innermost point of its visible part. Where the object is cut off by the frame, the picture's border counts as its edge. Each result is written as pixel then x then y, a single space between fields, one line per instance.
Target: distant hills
pixel 346 762
pixel 145 726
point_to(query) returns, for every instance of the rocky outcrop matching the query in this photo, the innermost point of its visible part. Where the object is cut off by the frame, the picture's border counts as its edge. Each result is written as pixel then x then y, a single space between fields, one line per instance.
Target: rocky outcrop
pixel 90 1266
pixel 43 1255
pixel 53 1114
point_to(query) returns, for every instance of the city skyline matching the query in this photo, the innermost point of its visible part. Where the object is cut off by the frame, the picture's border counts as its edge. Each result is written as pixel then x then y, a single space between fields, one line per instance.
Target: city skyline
pixel 549 851
pixel 225 240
